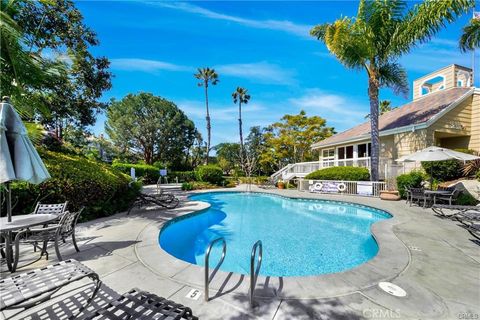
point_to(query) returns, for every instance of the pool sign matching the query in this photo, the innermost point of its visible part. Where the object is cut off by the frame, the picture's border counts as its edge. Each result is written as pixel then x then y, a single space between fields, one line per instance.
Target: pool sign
pixel 193 294
pixel 330 187
pixel 163 172
pixel 364 188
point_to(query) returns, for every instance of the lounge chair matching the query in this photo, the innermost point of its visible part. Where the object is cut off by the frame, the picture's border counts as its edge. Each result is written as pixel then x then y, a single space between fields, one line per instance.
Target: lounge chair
pixel 467 218
pixel 418 194
pixel 30 288
pixel 165 200
pixel 452 210
pixel 474 230
pixel 269 184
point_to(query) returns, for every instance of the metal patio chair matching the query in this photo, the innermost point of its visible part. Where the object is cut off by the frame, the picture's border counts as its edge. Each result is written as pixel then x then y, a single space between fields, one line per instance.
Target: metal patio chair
pixel 450 197
pixel 52 233
pixel 418 194
pixel 52 208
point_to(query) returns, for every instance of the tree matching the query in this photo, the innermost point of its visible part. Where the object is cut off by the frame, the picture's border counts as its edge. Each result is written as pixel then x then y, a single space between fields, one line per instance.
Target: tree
pixel 207 76
pixel 241 95
pixel 290 140
pixel 227 155
pixel 151 126
pixel 470 38
pixel 374 40
pixel 53 35
pixel 384 106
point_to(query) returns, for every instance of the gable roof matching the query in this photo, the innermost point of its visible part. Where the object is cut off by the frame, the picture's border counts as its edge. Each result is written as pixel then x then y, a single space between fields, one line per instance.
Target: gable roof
pixel 418 112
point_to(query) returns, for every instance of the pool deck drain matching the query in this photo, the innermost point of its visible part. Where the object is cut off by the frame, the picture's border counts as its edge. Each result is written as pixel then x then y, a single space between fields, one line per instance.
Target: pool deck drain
pixel 442 281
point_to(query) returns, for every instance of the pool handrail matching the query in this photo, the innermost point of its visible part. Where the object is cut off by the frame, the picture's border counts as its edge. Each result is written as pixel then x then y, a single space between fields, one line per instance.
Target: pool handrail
pixel 254 272
pixel 208 279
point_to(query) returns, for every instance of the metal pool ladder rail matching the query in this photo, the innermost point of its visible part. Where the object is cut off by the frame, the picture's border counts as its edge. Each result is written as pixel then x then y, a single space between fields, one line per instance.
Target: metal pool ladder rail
pixel 254 272
pixel 207 257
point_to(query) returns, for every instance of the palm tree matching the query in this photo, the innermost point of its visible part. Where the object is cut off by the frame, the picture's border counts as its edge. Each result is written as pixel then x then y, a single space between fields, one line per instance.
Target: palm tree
pixel 207 76
pixel 384 106
pixel 241 96
pixel 374 40
pixel 470 38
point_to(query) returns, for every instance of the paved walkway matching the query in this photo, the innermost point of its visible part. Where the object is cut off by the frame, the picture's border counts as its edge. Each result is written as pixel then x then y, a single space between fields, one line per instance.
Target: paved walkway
pixel 433 259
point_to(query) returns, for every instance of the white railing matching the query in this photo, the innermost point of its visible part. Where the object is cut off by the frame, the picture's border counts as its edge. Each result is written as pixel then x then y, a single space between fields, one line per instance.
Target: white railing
pixel 359 188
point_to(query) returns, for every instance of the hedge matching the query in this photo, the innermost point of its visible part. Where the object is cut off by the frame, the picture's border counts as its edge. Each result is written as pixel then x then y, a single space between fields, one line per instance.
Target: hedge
pixel 209 173
pixel 340 173
pixel 80 181
pixel 413 179
pixel 443 170
pixel 148 173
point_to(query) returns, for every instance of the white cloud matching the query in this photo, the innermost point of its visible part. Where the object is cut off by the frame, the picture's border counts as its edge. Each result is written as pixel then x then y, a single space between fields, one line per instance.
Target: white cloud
pixel 262 72
pixel 280 25
pixel 150 66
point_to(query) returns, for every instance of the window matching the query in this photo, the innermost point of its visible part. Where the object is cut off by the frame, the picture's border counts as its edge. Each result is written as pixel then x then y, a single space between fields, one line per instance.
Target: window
pixel 349 152
pixel 328 153
pixel 341 153
pixel 460 83
pixel 425 90
pixel 364 150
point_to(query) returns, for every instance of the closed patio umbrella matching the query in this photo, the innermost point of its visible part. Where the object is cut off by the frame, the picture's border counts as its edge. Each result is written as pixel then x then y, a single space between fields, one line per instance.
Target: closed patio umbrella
pixel 437 154
pixel 18 158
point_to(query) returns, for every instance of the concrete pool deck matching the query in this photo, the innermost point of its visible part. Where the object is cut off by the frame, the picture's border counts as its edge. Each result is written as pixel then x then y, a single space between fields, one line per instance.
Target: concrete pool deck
pixel 434 260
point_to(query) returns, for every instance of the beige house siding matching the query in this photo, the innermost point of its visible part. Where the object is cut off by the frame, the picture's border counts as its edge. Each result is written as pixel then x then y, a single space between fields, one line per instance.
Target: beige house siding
pixel 407 142
pixel 450 75
pixel 456 121
pixel 474 142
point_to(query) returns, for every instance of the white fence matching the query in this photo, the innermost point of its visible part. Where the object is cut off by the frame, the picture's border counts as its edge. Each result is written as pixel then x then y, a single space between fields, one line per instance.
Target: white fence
pixel 359 188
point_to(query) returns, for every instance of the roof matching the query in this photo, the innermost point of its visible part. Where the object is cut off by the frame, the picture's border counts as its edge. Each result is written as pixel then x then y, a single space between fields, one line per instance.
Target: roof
pixel 420 111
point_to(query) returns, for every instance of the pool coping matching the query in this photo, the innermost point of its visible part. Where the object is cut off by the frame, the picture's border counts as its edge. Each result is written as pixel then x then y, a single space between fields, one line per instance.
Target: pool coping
pixel 392 259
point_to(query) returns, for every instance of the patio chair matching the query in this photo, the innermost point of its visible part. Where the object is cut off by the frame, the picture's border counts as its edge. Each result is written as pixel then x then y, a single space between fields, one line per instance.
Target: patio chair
pixel 167 200
pixel 450 197
pixel 52 208
pixel 418 194
pixel 141 305
pixel 30 288
pixel 53 233
pixel 449 211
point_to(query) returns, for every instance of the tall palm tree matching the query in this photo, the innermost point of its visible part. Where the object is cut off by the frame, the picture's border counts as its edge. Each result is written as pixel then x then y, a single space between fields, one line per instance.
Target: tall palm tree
pixel 470 38
pixel 384 106
pixel 374 40
pixel 241 95
pixel 207 76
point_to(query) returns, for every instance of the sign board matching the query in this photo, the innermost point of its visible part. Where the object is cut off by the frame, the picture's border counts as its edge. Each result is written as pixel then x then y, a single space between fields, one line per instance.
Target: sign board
pixel 364 188
pixel 330 187
pixel 163 172
pixel 132 173
pixel 193 294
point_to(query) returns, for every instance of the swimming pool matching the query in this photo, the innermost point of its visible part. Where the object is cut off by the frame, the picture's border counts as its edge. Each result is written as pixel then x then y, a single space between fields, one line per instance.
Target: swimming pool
pixel 300 237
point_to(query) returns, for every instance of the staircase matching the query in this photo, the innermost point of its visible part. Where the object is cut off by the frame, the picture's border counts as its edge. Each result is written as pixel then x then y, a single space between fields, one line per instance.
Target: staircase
pixel 295 170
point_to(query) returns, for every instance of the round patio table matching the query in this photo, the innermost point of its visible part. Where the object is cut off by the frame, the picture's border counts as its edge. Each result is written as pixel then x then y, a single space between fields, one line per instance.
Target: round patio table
pixel 20 222
pixel 435 193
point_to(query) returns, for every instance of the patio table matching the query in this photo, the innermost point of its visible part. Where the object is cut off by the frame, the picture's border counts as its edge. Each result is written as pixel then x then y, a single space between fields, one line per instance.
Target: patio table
pixel 434 193
pixel 19 222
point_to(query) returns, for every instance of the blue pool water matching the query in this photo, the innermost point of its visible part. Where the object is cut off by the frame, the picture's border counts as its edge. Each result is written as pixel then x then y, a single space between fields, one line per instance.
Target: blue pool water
pixel 300 237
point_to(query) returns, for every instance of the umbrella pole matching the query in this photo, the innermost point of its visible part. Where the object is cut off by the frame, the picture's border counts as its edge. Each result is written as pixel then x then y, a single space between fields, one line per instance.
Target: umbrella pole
pixel 8 201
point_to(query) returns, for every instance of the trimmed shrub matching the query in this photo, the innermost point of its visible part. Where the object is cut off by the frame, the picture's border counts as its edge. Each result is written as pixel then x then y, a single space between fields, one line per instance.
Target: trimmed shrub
pixel 183 176
pixel 340 173
pixel 409 180
pixel 148 173
pixel 186 186
pixel 209 173
pixel 80 181
pixel 443 170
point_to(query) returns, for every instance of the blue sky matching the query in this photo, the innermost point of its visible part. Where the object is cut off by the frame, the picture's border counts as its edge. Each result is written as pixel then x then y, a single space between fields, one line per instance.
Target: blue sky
pixel 263 46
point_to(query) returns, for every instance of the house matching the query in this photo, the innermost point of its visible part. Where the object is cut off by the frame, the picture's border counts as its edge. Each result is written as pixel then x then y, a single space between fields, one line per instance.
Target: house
pixel 445 111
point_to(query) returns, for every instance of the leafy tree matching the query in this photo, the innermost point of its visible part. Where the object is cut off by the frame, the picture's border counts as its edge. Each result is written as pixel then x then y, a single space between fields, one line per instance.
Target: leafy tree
pixel 227 155
pixel 54 34
pixel 374 40
pixel 241 95
pixel 384 106
pixel 151 126
pixel 290 140
pixel 470 38
pixel 207 76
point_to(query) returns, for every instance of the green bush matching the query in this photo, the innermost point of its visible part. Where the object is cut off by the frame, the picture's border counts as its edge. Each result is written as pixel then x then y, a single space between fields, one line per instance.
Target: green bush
pixel 186 186
pixel 409 180
pixel 148 173
pixel 80 181
pixel 340 173
pixel 465 199
pixel 443 170
pixel 209 173
pixel 183 176
pixel 469 151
